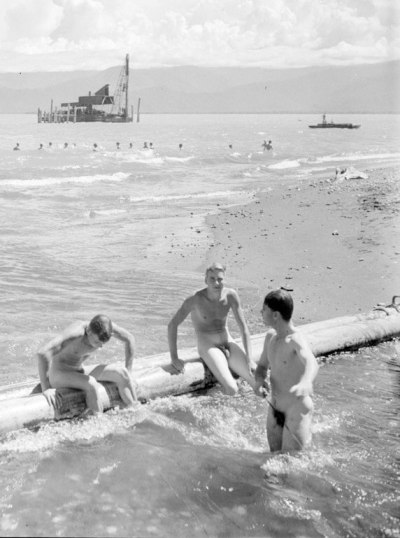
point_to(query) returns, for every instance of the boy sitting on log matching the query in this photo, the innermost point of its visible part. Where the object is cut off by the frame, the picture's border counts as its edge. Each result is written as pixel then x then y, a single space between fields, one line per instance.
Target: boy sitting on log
pixel 60 362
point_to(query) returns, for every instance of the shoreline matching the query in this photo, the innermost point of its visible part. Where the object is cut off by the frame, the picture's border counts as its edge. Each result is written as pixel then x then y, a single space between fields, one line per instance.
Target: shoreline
pixel 332 242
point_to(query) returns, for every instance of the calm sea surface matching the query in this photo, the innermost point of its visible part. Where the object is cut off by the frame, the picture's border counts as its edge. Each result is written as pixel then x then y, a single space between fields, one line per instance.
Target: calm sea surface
pixel 83 232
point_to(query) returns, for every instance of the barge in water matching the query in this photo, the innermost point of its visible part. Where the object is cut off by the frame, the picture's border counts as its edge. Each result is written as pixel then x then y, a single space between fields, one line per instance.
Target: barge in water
pixel 101 106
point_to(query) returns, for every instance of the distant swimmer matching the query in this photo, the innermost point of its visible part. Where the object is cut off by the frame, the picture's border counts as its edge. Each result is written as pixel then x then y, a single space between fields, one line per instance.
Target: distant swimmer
pixel 60 362
pixel 145 146
pixel 209 309
pixel 16 147
pixel 95 147
pixel 230 146
pixel 65 145
pixel 130 145
pixel 117 144
pixel 180 147
pixel 50 144
pixel 151 145
pixel 266 145
pixel 41 146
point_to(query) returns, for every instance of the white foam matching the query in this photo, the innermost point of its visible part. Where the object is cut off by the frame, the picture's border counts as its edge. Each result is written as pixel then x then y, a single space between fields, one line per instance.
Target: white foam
pixel 284 165
pixel 143 159
pixel 52 434
pixel 72 167
pixel 357 157
pixel 281 464
pixel 45 181
pixel 163 198
pixel 105 212
pixel 179 159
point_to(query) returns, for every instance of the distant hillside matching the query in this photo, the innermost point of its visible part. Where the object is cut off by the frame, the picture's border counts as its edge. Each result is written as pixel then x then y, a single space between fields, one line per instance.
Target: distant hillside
pixel 356 89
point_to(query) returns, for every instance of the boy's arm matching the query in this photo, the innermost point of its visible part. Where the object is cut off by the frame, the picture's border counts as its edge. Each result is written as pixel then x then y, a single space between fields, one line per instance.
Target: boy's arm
pixel 240 320
pixel 305 386
pixel 128 339
pixel 262 368
pixel 178 318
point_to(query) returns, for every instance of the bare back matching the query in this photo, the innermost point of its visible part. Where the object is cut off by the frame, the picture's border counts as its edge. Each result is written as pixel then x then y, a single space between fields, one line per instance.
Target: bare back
pixel 69 350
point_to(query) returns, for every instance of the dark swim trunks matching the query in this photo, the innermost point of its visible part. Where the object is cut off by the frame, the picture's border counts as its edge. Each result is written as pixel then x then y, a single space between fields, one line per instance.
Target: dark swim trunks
pixel 225 350
pixel 278 415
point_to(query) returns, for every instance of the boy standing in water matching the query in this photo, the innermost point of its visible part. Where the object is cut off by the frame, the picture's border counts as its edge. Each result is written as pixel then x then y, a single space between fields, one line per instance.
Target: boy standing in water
pixel 209 309
pixel 293 370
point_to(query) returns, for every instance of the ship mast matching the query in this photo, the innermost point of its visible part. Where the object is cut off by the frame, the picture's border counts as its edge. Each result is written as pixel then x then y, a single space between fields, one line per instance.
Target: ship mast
pixel 126 85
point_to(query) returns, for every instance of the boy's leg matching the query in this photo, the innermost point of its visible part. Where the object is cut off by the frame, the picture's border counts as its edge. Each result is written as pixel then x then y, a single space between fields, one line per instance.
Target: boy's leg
pixel 274 431
pixel 120 376
pixel 75 380
pixel 216 361
pixel 238 363
pixel 297 432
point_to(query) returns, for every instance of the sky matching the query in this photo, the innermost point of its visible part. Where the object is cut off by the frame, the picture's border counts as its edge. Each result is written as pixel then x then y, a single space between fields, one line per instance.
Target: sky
pixel 68 35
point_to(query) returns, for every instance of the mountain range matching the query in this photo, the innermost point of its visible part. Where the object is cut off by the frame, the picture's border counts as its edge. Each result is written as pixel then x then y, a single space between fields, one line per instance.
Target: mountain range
pixel 367 88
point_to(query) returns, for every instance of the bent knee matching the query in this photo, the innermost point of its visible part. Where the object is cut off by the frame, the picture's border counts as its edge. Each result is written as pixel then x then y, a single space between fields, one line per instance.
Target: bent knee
pixel 92 385
pixel 123 375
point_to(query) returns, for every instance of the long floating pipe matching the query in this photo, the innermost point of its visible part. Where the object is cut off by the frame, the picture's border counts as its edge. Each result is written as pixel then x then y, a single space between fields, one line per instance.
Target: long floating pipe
pixel 21 408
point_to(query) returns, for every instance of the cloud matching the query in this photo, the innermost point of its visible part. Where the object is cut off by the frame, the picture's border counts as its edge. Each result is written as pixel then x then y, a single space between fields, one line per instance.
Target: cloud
pixel 95 34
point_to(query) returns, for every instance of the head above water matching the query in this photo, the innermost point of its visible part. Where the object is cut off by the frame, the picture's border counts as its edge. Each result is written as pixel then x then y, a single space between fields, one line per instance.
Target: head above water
pixel 101 326
pixel 280 301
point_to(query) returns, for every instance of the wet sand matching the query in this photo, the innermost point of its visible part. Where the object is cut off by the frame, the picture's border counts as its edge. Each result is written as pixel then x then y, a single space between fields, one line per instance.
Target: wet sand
pixel 334 243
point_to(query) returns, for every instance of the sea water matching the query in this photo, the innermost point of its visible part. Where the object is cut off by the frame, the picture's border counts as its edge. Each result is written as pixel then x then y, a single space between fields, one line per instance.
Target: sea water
pixel 122 231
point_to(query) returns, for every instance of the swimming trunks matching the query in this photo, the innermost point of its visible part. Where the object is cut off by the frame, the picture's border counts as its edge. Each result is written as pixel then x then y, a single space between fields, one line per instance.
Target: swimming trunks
pixel 225 349
pixel 279 417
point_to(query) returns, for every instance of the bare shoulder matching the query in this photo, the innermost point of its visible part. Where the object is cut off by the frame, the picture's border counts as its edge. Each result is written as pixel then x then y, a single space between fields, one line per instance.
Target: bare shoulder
pixel 76 328
pixel 269 335
pixel 70 333
pixel 194 299
pixel 121 333
pixel 299 341
pixel 199 294
pixel 190 303
pixel 232 295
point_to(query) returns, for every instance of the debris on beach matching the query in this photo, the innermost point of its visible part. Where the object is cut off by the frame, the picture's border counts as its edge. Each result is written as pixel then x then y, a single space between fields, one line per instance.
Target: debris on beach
pixel 349 173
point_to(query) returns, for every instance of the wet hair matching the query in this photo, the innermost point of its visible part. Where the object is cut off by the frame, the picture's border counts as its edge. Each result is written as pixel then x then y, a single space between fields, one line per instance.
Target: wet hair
pixel 280 301
pixel 101 326
pixel 215 267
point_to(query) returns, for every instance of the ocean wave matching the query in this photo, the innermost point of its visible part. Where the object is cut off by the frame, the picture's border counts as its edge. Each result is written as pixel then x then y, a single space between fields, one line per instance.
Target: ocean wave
pixel 282 165
pixel 165 197
pixel 144 157
pixel 354 157
pixel 45 181
pixel 179 159
pixel 89 429
pixel 326 159
pixel 105 212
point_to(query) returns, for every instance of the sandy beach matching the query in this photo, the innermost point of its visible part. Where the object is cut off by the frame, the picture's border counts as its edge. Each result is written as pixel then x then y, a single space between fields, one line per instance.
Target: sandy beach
pixel 334 243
